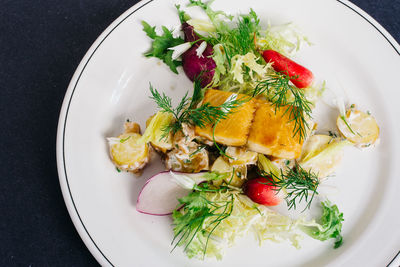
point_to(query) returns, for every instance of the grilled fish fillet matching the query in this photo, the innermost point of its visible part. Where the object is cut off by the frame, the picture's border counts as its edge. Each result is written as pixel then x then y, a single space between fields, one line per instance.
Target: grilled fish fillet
pixel 233 130
pixel 271 132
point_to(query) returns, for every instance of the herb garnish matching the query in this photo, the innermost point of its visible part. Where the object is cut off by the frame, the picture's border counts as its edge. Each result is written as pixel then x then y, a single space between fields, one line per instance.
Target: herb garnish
pixel 197 151
pixel 235 41
pixel 332 134
pixel 160 45
pixel 187 112
pixel 123 140
pixel 298 183
pixel 240 40
pixel 183 17
pixel 281 93
pixel 343 118
pixel 199 216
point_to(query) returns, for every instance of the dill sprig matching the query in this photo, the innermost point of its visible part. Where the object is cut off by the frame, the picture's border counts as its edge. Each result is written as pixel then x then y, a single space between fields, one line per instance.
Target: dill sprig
pixel 164 102
pixel 187 112
pixel 281 93
pixel 298 183
pixel 240 40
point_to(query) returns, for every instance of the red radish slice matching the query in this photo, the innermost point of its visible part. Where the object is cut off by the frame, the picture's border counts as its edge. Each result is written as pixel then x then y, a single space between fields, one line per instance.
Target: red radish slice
pixel 159 196
pixel 303 77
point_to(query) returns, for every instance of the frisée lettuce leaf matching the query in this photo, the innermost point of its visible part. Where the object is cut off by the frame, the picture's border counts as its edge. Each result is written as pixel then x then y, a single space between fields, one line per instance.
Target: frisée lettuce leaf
pixel 330 225
pixel 209 222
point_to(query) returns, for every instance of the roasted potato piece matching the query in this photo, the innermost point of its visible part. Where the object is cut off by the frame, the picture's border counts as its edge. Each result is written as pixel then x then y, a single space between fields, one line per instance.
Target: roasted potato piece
pixel 194 161
pixel 132 127
pixel 186 155
pixel 240 156
pixel 235 175
pixel 127 154
pixel 283 164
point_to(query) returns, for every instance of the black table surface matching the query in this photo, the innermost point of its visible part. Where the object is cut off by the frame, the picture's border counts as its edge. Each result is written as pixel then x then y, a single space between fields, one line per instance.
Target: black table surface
pixel 41 44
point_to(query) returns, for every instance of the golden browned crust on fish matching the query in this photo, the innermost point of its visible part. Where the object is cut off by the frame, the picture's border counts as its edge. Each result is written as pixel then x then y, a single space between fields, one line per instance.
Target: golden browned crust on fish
pixel 233 130
pixel 271 132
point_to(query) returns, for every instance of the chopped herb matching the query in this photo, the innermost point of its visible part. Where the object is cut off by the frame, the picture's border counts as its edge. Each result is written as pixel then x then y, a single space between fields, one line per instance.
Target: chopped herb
pixel 348 126
pixel 257 209
pixel 332 134
pixel 125 139
pixel 118 170
pixel 287 162
pixel 197 150
pixel 368 112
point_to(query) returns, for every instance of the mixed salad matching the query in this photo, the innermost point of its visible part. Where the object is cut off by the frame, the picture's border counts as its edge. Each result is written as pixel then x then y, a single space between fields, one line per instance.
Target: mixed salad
pixel 243 140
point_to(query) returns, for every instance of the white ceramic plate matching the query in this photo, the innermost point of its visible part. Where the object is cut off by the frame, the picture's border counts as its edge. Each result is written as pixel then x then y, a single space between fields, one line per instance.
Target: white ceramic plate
pixel 111 84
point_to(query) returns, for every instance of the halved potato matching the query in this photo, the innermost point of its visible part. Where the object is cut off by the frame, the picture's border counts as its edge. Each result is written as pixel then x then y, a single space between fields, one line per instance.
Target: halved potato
pixel 240 156
pixel 195 159
pixel 131 127
pixel 235 175
pixel 127 154
pixel 358 127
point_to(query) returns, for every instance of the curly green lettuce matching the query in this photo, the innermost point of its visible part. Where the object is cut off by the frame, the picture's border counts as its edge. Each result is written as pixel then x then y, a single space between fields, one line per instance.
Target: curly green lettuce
pixel 209 222
pixel 330 225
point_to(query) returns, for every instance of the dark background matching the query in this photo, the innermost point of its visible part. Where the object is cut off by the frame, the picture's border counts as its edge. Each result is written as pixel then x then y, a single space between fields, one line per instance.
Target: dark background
pixel 41 44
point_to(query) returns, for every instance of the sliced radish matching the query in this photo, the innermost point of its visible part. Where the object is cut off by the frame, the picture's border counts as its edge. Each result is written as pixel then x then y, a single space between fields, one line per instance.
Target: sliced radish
pixel 302 77
pixel 159 196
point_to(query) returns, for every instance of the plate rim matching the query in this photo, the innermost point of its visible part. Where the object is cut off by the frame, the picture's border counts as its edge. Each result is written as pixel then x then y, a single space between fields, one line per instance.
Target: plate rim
pixel 63 116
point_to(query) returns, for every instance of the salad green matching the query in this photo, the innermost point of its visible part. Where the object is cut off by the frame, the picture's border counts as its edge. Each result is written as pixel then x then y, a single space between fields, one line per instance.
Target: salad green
pixel 330 225
pixel 160 45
